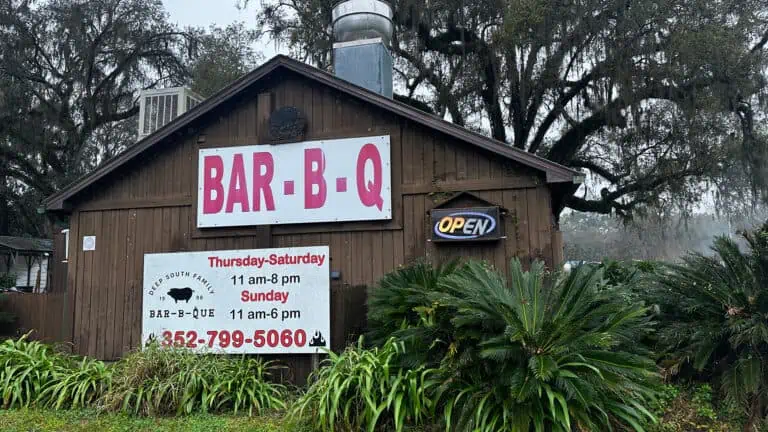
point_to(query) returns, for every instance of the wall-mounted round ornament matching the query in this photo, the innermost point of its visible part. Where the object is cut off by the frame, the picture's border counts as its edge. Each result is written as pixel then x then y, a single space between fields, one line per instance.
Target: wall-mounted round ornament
pixel 287 123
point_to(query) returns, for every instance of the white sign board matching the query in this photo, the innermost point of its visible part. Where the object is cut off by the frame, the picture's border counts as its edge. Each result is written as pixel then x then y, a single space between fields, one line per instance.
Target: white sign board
pixel 263 301
pixel 312 181
pixel 89 243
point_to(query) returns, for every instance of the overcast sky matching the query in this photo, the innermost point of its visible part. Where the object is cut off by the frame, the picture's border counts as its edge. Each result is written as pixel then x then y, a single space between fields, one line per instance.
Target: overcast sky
pixel 203 13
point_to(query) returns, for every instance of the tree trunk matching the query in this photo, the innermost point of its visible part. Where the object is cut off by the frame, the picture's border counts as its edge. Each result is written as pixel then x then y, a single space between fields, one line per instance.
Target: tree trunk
pixel 5 216
pixel 755 412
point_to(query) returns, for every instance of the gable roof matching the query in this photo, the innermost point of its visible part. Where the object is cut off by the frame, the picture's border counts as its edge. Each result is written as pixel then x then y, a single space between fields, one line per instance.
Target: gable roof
pixel 554 172
pixel 465 194
pixel 26 244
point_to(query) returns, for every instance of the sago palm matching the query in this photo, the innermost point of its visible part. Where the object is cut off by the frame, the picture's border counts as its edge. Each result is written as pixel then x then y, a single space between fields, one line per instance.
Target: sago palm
pixel 717 306
pixel 399 306
pixel 534 356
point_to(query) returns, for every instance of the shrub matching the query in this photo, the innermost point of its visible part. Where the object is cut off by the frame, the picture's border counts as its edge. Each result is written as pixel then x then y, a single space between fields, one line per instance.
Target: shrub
pixel 716 307
pixel 160 381
pixel 366 388
pixel 7 281
pixel 399 302
pixel 33 373
pixel 521 355
pixel 689 409
pixel 242 385
pixel 26 368
pixel 79 385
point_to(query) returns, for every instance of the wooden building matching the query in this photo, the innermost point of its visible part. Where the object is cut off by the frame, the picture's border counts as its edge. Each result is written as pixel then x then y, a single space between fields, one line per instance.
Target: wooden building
pixel 146 199
pixel 25 260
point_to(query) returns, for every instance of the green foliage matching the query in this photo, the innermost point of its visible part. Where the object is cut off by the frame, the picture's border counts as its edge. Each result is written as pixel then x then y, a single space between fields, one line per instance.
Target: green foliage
pixel 716 308
pixel 225 54
pixel 26 368
pixel 59 122
pixel 690 409
pixel 36 420
pixel 627 273
pixel 664 397
pixel 7 281
pixel 702 399
pixel 159 381
pixel 241 384
pixel 542 357
pixel 33 373
pixel 400 302
pixel 520 355
pixel 153 381
pixel 366 388
pixel 79 385
pixel 511 62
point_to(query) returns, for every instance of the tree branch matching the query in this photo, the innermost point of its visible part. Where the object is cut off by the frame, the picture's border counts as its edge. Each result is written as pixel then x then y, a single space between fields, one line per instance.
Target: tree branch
pixel 597 169
pixel 609 115
pixel 419 105
pixel 565 98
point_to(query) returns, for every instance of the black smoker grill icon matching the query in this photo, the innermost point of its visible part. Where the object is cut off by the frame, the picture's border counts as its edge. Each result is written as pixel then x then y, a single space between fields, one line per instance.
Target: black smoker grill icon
pixel 180 294
pixel 317 340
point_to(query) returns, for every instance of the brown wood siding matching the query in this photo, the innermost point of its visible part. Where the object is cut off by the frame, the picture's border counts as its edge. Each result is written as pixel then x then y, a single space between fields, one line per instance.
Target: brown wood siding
pixel 150 206
pixel 42 314
pixel 57 266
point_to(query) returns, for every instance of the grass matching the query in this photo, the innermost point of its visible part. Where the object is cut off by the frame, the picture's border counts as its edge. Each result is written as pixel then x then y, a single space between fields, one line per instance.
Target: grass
pixel 91 421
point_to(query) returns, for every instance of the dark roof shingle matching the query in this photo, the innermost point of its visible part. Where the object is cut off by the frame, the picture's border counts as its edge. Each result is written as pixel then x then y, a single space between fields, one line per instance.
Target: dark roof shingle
pixel 25 244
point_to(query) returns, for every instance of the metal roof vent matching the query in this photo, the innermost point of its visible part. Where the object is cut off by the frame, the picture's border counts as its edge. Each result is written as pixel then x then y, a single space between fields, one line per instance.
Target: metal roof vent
pixel 158 107
pixel 363 32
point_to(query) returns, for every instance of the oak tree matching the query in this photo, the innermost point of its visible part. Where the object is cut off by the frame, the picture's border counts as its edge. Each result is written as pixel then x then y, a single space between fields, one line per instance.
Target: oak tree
pixel 70 72
pixel 223 55
pixel 655 100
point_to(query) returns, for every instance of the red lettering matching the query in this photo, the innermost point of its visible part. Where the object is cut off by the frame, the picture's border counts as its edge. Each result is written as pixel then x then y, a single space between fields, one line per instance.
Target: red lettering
pixel 370 194
pixel 238 192
pixel 213 171
pixel 261 181
pixel 314 167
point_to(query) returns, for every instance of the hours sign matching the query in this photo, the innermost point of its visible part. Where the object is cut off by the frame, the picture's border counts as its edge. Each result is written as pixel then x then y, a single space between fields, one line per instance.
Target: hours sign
pixel 263 301
pixel 313 181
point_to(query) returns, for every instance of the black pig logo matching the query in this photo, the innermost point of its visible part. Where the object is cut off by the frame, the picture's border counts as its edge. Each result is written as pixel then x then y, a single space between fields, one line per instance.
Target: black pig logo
pixel 317 340
pixel 180 294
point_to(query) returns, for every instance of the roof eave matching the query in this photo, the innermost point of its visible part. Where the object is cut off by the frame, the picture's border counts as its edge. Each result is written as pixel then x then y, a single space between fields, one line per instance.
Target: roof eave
pixel 554 172
pixel 570 176
pixel 56 202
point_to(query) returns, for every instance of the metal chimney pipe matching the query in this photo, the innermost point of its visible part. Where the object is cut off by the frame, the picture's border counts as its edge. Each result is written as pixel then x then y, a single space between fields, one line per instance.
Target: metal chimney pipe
pixel 362 19
pixel 363 32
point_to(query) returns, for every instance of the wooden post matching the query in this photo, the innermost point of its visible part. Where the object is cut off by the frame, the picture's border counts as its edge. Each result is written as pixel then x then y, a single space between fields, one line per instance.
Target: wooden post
pixel 28 259
pixel 315 361
pixel 38 277
pixel 558 250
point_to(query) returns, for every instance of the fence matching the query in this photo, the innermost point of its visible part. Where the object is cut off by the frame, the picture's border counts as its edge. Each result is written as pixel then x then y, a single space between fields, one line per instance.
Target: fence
pixel 57 268
pixel 50 318
pixel 43 313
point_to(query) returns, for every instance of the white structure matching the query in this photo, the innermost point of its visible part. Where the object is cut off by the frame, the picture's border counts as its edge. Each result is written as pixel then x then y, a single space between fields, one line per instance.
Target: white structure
pixel 26 261
pixel 159 107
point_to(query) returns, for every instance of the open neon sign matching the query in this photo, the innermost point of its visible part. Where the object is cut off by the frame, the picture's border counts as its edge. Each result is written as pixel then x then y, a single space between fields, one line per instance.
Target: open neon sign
pixel 466 224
